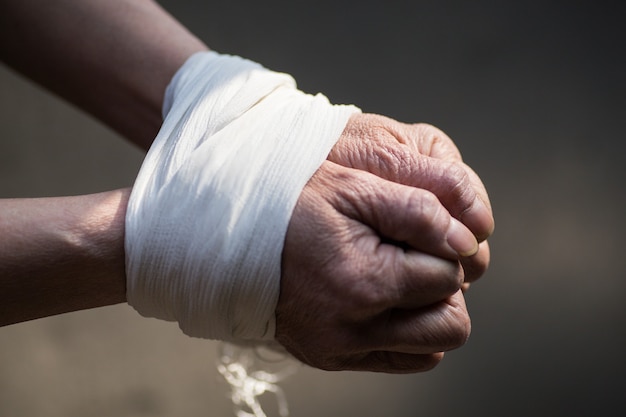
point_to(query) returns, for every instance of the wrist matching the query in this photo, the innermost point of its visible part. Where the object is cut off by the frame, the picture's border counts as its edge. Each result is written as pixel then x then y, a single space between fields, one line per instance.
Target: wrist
pixel 101 242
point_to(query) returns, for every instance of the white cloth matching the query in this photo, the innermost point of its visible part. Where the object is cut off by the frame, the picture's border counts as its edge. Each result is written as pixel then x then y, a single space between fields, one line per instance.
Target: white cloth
pixel 209 211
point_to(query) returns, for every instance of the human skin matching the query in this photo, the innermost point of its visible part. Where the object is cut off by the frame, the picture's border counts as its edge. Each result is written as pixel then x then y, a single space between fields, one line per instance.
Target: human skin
pixel 380 272
pixel 420 155
pixel 61 254
pixel 401 255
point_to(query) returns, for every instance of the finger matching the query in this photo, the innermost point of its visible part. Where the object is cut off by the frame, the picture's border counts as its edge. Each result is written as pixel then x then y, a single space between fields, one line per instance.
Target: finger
pixel 420 156
pixel 409 341
pixel 480 221
pixel 475 266
pixel 403 215
pixel 459 189
pixel 391 362
pixel 413 279
pixel 437 328
pixel 339 276
pixel 449 181
pixel 430 141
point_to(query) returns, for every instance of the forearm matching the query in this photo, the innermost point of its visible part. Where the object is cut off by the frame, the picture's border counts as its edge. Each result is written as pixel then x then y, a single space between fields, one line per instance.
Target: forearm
pixel 112 58
pixel 61 254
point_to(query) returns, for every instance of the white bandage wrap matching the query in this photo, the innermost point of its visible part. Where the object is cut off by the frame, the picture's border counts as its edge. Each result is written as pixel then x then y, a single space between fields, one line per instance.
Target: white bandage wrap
pixel 209 211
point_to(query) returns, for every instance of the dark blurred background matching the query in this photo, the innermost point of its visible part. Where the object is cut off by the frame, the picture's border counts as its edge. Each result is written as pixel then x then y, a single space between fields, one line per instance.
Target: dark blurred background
pixel 534 94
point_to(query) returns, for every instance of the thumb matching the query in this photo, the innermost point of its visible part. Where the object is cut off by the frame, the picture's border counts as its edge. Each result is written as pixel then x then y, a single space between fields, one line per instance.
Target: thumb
pixel 403 215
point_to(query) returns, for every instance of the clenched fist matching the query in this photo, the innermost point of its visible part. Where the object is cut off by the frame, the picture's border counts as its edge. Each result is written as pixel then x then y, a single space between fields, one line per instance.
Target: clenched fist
pixel 382 241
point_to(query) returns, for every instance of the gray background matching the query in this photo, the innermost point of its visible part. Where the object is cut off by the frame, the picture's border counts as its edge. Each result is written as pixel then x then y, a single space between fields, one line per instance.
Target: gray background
pixel 535 97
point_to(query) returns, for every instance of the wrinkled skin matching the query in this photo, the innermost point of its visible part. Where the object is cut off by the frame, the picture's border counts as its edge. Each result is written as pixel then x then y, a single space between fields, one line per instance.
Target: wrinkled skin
pixel 383 241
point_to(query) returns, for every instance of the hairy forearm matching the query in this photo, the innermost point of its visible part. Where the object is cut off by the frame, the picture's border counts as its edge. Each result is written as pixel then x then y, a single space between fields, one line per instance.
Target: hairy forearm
pixel 112 58
pixel 61 254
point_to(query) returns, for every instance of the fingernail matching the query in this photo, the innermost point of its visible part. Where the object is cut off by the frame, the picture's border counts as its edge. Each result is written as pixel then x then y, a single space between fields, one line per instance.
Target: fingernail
pixel 461 239
pixel 479 219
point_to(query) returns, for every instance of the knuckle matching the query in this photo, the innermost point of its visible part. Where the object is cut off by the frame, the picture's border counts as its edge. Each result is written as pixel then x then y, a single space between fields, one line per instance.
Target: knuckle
pixel 460 190
pixel 384 153
pixel 432 133
pixel 436 142
pixel 391 160
pixel 459 331
pixel 451 330
pixel 459 179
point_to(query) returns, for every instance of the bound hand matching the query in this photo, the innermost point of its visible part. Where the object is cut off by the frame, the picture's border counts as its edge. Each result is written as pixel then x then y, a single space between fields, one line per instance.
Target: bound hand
pixel 375 258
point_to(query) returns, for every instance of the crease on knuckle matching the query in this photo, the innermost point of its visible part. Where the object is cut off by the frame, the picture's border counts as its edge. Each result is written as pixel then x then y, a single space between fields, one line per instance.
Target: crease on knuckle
pixel 450 331
pixel 461 189
pixel 393 160
pixel 459 328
